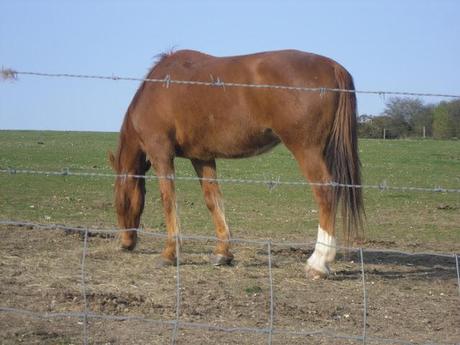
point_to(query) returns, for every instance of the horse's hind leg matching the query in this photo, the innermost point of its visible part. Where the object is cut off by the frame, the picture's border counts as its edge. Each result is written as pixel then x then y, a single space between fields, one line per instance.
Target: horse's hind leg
pixel 206 171
pixel 313 166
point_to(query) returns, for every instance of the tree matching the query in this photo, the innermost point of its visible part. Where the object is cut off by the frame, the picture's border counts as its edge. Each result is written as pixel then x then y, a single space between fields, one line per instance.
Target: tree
pixel 408 116
pixel 405 117
pixel 454 113
pixel 446 121
pixel 367 128
pixel 373 126
pixel 422 121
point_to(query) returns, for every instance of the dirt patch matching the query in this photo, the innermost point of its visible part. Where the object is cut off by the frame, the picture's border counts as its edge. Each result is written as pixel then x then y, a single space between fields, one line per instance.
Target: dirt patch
pixel 409 297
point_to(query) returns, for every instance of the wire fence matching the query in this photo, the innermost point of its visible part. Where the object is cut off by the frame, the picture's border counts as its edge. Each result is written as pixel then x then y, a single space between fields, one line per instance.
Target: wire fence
pixel 167 81
pixel 271 184
pixel 176 323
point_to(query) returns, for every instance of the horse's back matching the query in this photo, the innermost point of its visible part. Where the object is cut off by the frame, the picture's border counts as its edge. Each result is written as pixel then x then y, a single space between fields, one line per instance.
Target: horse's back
pixel 225 121
pixel 275 66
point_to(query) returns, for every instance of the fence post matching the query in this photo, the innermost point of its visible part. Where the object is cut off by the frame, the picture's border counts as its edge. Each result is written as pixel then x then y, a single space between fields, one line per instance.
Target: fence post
pixel 176 321
pixel 364 296
pixel 458 273
pixel 270 276
pixel 83 289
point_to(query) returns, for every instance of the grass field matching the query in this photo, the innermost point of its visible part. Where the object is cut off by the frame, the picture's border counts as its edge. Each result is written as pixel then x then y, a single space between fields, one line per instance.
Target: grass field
pixel 409 297
pixel 401 219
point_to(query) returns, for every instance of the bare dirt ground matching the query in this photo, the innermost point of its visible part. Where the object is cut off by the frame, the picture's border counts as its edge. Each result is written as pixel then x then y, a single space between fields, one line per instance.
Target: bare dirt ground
pixel 414 298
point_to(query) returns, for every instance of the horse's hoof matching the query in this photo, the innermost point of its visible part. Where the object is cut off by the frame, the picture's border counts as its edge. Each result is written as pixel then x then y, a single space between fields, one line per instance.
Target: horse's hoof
pixel 314 274
pixel 165 262
pixel 221 260
pixel 128 246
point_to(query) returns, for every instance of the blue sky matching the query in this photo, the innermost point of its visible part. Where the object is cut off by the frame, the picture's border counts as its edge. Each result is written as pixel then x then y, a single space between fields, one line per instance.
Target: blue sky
pixel 386 45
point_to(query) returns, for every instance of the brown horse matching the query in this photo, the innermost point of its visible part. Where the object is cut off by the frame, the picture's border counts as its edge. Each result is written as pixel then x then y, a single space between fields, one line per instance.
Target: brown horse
pixel 203 123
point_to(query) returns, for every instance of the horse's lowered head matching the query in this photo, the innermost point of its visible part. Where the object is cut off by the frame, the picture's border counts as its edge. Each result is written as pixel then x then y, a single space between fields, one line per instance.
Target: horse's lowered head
pixel 129 190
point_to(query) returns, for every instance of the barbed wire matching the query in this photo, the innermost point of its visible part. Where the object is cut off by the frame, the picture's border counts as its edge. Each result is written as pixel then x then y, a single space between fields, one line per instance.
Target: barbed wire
pixel 271 184
pixel 8 73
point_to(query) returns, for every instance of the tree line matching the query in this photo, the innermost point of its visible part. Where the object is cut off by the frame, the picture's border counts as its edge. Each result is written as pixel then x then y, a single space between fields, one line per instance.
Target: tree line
pixel 411 117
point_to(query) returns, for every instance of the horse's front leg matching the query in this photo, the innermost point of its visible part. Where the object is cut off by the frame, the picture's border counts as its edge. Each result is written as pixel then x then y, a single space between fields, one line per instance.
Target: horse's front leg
pixel 206 171
pixel 165 172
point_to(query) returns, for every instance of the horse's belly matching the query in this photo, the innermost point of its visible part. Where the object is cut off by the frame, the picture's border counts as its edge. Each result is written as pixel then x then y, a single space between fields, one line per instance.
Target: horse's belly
pixel 248 150
pixel 228 144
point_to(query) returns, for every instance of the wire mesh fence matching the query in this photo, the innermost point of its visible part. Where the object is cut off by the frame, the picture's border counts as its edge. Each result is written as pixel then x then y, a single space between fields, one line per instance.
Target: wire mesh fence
pixel 177 324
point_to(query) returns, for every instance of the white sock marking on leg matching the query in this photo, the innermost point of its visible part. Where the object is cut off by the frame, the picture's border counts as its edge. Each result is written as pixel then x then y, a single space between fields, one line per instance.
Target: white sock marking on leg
pixel 324 251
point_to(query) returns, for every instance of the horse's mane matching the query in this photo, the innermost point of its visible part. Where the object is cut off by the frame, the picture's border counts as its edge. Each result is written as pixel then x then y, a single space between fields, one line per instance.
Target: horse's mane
pixel 156 60
pixel 126 126
pixel 160 57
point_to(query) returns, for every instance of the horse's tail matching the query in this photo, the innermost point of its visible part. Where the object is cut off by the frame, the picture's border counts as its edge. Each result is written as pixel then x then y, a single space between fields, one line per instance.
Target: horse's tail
pixel 342 159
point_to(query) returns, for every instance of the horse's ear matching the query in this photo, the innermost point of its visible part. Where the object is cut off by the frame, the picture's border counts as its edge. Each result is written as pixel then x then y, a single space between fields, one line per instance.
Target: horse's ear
pixel 112 160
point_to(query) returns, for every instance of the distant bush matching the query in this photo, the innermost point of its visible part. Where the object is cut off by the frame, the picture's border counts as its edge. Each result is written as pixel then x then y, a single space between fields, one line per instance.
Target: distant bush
pixel 410 117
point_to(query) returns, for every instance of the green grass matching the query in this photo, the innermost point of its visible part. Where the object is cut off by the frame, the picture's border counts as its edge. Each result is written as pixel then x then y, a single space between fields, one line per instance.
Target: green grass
pixel 253 289
pixel 424 219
